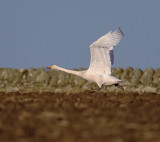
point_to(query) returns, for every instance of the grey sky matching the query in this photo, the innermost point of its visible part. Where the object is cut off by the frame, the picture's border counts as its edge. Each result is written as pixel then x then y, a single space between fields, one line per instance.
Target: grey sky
pixel 38 33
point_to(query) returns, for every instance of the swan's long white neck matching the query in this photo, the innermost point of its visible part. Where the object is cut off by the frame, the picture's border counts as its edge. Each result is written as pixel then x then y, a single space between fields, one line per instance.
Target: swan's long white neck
pixel 68 71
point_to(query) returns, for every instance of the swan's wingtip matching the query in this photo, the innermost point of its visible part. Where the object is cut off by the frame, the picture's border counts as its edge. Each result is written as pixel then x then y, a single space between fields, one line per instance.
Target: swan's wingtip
pixel 121 31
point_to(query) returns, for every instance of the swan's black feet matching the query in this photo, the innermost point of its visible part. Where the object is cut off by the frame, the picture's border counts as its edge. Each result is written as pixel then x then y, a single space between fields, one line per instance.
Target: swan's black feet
pixel 119 86
pixel 116 84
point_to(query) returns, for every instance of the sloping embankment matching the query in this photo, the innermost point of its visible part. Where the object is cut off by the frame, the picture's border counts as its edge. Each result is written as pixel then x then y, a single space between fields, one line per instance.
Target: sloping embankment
pixel 40 80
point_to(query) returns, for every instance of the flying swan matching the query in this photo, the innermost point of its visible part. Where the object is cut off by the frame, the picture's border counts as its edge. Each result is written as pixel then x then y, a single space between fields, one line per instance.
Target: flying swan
pixel 102 58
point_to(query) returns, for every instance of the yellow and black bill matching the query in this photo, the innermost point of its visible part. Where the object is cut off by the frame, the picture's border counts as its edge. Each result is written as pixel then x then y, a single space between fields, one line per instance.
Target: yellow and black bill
pixel 49 67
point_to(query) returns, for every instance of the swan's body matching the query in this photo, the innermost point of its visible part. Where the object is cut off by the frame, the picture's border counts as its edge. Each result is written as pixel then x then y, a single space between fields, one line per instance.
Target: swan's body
pixel 102 58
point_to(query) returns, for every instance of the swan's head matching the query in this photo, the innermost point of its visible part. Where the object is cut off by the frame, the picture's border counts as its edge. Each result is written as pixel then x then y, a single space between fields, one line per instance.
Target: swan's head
pixel 52 67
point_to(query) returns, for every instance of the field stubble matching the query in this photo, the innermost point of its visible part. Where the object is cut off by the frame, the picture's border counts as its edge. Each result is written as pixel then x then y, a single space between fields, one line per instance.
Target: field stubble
pixel 80 117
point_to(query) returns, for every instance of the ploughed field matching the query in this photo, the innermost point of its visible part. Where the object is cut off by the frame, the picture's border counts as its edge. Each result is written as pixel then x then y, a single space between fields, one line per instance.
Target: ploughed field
pixel 82 117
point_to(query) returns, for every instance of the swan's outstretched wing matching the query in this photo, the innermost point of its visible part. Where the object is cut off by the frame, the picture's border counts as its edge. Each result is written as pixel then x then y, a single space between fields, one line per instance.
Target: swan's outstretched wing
pixel 102 56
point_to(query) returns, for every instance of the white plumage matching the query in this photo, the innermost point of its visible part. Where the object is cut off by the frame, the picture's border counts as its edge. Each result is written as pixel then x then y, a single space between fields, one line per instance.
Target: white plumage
pixel 102 58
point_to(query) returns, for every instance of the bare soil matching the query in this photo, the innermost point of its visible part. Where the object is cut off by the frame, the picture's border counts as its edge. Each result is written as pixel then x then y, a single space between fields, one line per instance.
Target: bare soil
pixel 83 117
